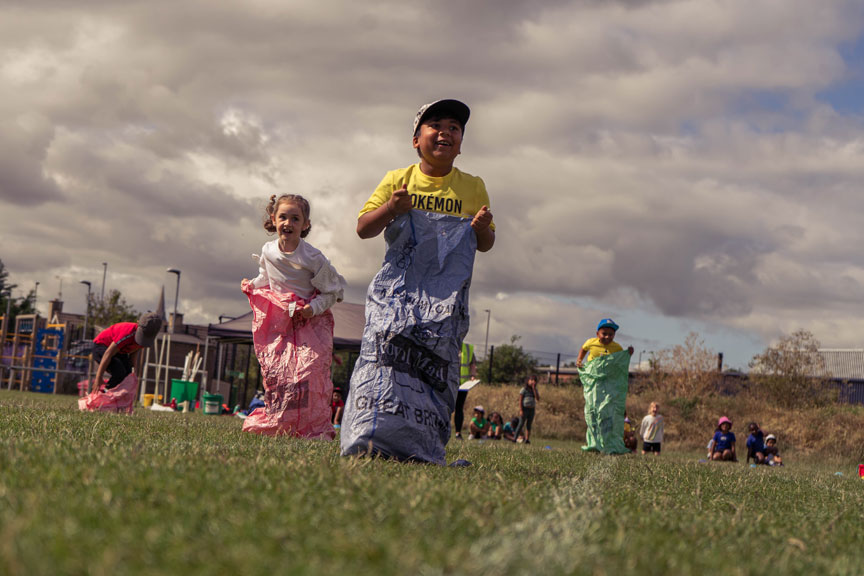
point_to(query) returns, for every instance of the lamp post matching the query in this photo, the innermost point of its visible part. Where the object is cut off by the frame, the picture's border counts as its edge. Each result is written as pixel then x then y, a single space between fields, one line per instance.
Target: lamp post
pixel 176 296
pixel 486 345
pixel 36 297
pixel 87 313
pixel 5 326
pixel 104 273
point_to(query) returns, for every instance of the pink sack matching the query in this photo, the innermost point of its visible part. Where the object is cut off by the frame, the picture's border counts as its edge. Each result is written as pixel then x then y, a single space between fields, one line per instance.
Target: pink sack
pixel 294 354
pixel 117 399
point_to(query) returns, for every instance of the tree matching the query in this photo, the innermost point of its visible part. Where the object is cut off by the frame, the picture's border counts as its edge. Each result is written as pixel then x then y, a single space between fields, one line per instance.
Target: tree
pixel 789 372
pixel 111 310
pixel 25 305
pixel 510 364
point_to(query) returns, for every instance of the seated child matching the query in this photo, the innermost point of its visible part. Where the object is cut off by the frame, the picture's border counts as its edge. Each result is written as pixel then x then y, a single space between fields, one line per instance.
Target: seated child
pixel 479 425
pixel 722 445
pixel 510 426
pixel 496 426
pixel 755 444
pixel 772 455
pixel 629 435
pixel 651 430
pixel 337 406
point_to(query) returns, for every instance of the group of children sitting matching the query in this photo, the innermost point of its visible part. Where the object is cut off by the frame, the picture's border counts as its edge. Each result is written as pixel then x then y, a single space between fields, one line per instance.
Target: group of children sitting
pixel 494 427
pixel 760 448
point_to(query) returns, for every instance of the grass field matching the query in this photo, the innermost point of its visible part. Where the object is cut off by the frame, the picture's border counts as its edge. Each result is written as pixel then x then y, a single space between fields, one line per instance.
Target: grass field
pixel 150 493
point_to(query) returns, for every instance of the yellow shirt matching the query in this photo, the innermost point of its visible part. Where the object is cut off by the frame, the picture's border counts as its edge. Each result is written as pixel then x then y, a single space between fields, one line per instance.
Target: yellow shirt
pixel 457 193
pixel 595 348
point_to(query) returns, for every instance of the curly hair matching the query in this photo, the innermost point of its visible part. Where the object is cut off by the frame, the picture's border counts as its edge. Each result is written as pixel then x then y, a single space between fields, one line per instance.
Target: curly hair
pixel 273 205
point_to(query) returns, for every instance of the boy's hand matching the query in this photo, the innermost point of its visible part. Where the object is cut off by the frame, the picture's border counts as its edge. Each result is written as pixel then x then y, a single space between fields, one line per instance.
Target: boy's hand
pixel 307 311
pixel 400 201
pixel 630 350
pixel 482 219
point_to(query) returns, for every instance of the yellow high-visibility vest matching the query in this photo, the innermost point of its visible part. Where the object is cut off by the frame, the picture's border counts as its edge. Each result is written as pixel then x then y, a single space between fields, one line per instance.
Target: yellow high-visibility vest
pixel 467 356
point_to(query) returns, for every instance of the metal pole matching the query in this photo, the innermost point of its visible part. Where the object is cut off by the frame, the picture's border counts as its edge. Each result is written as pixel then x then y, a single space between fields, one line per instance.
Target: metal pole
pixel 491 359
pixel 176 296
pixel 104 273
pixel 6 319
pixel 486 345
pixel 87 313
pixel 35 299
pixel 557 368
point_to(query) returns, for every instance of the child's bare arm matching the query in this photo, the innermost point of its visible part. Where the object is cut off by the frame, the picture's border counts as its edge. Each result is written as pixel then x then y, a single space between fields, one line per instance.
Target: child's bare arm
pixel 373 223
pixel 485 235
pixel 581 357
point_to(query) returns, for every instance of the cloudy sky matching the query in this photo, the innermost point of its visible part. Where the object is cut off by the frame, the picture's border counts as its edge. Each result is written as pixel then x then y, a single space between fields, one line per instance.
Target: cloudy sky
pixel 681 166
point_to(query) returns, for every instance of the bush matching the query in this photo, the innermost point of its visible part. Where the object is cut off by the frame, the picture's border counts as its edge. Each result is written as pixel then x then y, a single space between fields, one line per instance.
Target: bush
pixel 791 373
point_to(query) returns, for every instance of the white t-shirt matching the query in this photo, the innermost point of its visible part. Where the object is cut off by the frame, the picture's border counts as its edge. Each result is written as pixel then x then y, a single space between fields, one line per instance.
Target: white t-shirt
pixel 300 272
pixel 651 429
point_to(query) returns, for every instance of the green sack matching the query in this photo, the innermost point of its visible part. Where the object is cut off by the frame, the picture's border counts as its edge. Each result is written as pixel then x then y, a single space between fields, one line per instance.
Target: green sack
pixel 604 383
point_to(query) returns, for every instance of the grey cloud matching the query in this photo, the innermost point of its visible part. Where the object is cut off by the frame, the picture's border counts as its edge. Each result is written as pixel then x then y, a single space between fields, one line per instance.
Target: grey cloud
pixel 164 126
pixel 22 153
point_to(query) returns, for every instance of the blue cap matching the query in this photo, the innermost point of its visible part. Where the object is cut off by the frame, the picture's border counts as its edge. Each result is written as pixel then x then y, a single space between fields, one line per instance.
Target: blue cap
pixel 607 323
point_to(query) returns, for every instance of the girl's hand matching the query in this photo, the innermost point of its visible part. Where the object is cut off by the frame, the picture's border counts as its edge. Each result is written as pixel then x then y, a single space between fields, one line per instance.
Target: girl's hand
pixel 307 311
pixel 482 219
pixel 243 283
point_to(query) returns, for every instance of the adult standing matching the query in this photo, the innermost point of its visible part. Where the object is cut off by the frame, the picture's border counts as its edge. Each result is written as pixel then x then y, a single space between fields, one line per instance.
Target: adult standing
pixel 468 371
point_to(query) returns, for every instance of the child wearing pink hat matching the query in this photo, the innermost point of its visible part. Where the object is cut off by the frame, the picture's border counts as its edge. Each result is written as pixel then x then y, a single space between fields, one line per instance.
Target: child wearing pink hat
pixel 722 445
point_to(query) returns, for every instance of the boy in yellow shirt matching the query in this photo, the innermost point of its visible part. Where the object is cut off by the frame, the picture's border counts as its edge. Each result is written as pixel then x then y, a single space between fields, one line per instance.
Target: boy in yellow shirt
pixel 604 384
pixel 433 184
pixel 434 218
pixel 603 344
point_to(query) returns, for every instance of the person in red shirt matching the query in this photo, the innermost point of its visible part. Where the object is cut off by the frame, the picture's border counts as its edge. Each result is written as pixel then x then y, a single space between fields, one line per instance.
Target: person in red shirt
pixel 116 347
pixel 337 406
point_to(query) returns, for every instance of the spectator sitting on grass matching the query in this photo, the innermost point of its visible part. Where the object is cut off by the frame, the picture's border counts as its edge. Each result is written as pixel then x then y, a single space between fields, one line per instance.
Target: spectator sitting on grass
pixel 629 435
pixel 755 444
pixel 723 443
pixel 479 425
pixel 496 426
pixel 510 428
pixel 772 455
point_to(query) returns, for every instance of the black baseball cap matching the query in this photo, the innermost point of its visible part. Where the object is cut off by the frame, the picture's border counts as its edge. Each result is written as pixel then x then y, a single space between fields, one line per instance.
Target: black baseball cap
pixel 444 108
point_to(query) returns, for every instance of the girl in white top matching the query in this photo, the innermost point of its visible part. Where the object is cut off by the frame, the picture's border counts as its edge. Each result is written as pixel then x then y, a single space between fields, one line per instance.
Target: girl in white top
pixel 289 264
pixel 292 328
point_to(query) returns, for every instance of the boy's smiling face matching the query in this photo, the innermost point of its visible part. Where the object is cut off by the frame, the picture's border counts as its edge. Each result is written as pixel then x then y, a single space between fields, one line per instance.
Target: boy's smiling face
pixel 439 141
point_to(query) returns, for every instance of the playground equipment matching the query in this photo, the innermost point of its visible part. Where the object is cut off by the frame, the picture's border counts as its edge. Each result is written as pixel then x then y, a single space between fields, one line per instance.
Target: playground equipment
pixel 34 353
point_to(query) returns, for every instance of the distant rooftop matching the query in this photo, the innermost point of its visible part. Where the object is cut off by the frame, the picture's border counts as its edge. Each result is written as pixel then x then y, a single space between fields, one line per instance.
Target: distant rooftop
pixel 843 364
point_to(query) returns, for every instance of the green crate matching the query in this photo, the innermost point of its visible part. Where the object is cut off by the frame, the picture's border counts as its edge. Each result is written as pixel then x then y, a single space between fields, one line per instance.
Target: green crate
pixel 183 391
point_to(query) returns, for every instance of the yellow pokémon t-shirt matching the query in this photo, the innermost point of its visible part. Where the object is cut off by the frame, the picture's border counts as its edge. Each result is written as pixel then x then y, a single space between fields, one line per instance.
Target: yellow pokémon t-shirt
pixel 457 193
pixel 595 348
